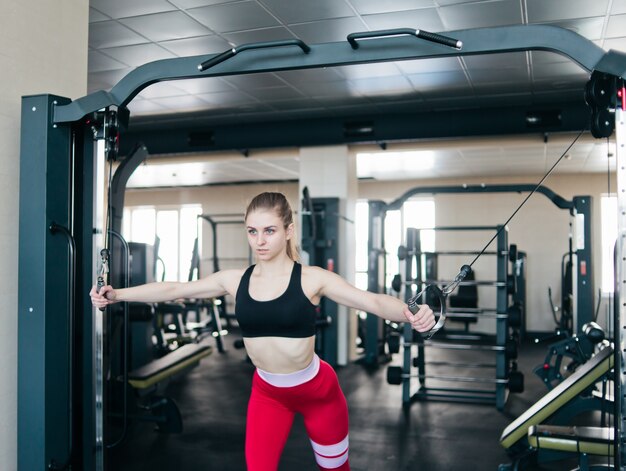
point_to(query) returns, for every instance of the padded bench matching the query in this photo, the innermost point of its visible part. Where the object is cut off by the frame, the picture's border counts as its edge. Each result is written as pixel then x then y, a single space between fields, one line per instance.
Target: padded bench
pixel 589 440
pixel 157 370
pixel 583 378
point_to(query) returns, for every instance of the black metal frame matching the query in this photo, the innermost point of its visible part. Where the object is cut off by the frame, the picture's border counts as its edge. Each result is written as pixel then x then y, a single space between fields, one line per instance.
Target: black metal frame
pixel 56 142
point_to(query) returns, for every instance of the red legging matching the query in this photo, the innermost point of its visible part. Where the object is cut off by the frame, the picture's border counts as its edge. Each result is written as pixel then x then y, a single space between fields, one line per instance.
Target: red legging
pixel 271 411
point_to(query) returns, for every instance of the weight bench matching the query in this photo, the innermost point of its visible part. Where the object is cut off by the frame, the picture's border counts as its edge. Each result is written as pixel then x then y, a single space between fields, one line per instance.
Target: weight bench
pixel 145 379
pixel 560 404
pixel 157 370
pixel 583 441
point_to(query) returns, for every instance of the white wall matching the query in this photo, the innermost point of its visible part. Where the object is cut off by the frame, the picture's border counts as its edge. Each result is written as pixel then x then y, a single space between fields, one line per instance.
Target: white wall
pixel 43 50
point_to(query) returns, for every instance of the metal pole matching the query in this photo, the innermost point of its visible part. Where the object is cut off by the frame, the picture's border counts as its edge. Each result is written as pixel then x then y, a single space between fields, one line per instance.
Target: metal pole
pixel 620 283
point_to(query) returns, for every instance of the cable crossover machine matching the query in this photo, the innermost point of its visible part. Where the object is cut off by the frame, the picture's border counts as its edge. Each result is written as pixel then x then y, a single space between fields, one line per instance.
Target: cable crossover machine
pixel 63 424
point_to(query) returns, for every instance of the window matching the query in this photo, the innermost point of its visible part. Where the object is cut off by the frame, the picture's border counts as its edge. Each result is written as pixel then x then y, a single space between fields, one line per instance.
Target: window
pixel 608 214
pixel 418 213
pixel 176 228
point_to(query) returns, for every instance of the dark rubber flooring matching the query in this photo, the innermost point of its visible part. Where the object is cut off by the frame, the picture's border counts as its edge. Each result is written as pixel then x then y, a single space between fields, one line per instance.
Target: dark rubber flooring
pixel 429 436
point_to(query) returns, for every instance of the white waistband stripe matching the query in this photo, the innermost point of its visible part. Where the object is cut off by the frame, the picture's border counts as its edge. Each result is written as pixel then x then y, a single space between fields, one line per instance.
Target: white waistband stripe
pixel 290 380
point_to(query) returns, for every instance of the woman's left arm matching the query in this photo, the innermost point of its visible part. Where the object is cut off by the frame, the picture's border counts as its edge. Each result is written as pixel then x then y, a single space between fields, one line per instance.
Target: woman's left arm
pixel 339 290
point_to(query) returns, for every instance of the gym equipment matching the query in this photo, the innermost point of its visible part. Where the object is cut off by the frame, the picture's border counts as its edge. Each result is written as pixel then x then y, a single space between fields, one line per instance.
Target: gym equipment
pixel 579 348
pixel 502 344
pixel 60 168
pixel 219 309
pixel 578 441
pixel 145 379
pixel 560 406
pixel 579 207
pixel 320 232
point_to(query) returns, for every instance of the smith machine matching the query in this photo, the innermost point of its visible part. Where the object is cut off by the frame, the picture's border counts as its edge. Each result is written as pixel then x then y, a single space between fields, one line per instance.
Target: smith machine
pixel 63 421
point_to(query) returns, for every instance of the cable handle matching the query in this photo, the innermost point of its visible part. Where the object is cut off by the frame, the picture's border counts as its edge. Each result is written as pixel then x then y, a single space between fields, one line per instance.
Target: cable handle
pixel 428 36
pixel 104 271
pixel 441 294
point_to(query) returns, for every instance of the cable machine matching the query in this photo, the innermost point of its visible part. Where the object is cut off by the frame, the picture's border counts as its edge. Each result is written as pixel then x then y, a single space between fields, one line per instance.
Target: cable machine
pixel 64 147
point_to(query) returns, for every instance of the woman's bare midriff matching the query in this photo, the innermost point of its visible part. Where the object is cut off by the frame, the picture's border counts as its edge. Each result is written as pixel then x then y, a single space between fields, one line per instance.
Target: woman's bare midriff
pixel 280 355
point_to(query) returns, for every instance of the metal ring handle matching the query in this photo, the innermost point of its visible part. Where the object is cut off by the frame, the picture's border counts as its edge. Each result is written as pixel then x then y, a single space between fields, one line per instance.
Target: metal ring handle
pixel 442 294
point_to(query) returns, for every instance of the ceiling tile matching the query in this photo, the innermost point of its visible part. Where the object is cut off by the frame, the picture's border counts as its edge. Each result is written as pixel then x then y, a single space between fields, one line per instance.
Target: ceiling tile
pixel 105 80
pixel 329 89
pixel 296 77
pixel 434 80
pixel 427 19
pixel 289 11
pixel 555 10
pixel 497 75
pixel 360 71
pixel 618 8
pixel 377 86
pixel 297 104
pixel 198 46
pixel 457 2
pixel 558 70
pixel 492 61
pixel 165 26
pixel 99 62
pixel 203 85
pixel 161 90
pixel 230 17
pixel 228 98
pixel 184 4
pixel 112 34
pixel 616 27
pixel 479 15
pixel 125 8
pixel 255 81
pixel 619 44
pixel 95 16
pixel 547 57
pixel 368 7
pixel 137 107
pixel 275 93
pixel 259 35
pixel 443 64
pixel 182 103
pixel 138 55
pixel 327 31
pixel 590 28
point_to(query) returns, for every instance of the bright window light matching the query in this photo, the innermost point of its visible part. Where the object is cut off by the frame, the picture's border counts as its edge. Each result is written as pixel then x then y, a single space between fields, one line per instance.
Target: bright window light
pixel 608 214
pixel 177 230
pixel 418 213
pixel 380 164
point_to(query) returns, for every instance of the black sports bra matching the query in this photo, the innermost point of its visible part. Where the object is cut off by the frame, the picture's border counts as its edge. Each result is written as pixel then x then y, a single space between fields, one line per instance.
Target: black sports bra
pixel 290 315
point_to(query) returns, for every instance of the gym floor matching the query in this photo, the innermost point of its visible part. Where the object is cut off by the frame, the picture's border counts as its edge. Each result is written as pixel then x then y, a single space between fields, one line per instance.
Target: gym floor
pixel 430 436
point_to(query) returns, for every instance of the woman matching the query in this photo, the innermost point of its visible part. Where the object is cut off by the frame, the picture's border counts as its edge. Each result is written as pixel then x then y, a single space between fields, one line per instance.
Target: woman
pixel 275 309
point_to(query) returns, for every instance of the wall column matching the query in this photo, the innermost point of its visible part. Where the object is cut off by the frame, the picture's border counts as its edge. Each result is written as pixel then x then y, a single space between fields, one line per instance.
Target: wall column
pixel 330 172
pixel 43 49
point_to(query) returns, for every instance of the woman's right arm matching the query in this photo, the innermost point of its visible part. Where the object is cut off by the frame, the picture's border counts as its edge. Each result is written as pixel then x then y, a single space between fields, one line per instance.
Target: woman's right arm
pixel 216 284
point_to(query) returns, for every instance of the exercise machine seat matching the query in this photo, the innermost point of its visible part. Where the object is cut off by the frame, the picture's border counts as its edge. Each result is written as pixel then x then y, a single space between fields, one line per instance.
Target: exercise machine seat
pixel 589 440
pixel 168 365
pixel 584 377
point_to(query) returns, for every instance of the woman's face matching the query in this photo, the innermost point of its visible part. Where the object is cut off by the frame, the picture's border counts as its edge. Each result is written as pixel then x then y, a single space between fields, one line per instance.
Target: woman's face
pixel 266 234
